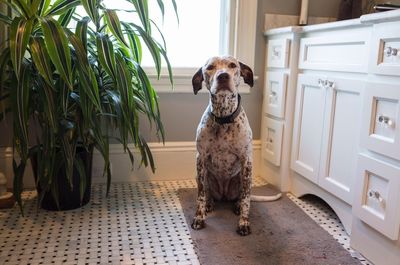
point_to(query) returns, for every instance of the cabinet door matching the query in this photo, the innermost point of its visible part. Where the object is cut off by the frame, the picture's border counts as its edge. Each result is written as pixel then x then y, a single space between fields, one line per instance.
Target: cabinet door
pixel 340 138
pixel 308 123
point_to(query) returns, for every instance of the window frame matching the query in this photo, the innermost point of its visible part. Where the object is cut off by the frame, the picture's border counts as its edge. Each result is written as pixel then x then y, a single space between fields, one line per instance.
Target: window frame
pixel 238 39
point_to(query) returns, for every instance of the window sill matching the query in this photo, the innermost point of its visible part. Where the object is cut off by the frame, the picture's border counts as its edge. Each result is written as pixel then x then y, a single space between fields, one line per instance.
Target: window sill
pixel 183 84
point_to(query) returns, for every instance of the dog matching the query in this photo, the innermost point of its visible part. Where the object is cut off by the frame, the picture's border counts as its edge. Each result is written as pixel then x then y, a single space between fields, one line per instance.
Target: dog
pixel 224 142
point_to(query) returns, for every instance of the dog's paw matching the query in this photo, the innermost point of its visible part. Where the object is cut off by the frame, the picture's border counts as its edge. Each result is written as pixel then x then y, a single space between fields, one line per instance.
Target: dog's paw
pixel 209 207
pixel 243 230
pixel 236 208
pixel 198 223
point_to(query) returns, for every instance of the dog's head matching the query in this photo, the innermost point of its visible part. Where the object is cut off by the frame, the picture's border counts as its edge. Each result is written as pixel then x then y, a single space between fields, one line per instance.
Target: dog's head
pixel 222 74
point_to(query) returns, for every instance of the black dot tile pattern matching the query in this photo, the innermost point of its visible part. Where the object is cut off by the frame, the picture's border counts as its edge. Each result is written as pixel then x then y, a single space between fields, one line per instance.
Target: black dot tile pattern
pixel 138 223
pixel 324 216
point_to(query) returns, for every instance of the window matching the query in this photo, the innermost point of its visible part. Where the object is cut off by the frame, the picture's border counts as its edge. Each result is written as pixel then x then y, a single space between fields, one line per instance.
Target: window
pixel 198 34
pixel 206 28
pixel 236 26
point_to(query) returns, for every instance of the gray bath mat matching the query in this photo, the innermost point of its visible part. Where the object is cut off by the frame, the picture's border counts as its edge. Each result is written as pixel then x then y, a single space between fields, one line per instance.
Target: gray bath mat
pixel 282 234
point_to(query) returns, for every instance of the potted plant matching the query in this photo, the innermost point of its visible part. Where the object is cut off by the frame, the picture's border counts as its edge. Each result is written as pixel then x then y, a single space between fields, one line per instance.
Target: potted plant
pixel 70 82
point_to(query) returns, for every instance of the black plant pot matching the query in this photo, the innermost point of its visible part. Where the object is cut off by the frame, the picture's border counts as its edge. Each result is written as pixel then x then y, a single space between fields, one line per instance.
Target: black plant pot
pixel 68 199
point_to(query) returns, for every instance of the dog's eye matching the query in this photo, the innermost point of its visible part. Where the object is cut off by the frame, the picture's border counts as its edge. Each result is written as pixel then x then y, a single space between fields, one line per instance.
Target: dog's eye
pixel 232 65
pixel 210 67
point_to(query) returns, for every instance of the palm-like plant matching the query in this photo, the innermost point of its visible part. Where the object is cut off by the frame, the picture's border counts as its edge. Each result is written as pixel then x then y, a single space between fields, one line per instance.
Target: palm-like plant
pixel 71 81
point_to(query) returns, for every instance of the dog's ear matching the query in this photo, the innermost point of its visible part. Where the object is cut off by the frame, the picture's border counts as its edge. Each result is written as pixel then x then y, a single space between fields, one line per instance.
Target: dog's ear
pixel 247 74
pixel 197 80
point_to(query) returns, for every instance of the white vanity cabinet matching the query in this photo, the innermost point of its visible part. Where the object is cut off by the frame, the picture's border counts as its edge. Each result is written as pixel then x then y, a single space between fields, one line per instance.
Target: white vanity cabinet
pixel 345 129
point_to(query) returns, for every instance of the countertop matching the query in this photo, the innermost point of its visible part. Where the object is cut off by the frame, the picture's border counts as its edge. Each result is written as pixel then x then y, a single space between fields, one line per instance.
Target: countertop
pixel 363 20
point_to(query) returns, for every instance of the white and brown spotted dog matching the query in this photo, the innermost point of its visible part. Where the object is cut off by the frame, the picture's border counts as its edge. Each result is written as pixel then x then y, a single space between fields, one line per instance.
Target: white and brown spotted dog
pixel 224 142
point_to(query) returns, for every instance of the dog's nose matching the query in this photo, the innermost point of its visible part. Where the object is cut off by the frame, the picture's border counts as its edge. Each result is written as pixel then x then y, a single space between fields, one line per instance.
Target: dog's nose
pixel 223 77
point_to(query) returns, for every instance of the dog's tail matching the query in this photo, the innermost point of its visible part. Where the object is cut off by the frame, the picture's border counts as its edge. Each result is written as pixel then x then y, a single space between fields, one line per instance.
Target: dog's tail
pixel 255 198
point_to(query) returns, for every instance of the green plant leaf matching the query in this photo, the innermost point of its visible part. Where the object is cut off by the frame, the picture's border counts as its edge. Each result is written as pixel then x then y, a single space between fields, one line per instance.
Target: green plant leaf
pixel 57 47
pixel 34 6
pixel 152 46
pixel 62 6
pixel 147 152
pixel 176 10
pixel 19 38
pixel 106 54
pixel 102 144
pixel 18 184
pixel 44 5
pixel 4 73
pixel 21 112
pixel 79 165
pixel 134 43
pixel 68 149
pixel 48 98
pixel 142 8
pixel 20 6
pixel 87 77
pixel 161 6
pixel 81 30
pixel 114 25
pixel 65 18
pixel 5 19
pixel 41 59
pixel 91 9
pixel 169 67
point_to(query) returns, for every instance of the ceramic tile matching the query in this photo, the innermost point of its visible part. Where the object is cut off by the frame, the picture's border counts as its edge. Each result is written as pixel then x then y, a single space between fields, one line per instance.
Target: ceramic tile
pixel 325 217
pixel 138 223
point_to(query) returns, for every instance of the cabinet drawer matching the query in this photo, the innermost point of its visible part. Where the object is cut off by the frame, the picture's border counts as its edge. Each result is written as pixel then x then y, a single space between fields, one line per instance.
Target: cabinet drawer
pixel 278 53
pixel 335 52
pixel 385 50
pixel 272 142
pixel 377 194
pixel 381 121
pixel 275 94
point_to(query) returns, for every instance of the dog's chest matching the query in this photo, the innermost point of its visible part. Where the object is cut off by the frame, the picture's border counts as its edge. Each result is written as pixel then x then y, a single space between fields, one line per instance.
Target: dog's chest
pixel 222 153
pixel 223 146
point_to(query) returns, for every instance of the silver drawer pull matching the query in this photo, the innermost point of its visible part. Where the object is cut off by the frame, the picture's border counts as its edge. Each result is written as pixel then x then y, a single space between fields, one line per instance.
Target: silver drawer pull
pixel 390 51
pixel 385 121
pixel 326 83
pixel 273 97
pixel 322 83
pixel 375 195
pixel 276 52
pixel 331 84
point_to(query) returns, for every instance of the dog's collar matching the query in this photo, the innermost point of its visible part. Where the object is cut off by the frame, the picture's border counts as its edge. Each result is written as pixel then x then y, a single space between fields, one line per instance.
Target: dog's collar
pixel 229 118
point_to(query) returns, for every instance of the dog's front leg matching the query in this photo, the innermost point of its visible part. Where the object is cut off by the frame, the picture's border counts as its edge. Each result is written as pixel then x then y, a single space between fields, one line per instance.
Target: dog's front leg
pixel 246 175
pixel 199 219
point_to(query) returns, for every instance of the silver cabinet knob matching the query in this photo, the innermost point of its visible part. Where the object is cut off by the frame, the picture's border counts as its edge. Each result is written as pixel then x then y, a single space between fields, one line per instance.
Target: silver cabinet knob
pixel 331 84
pixel 385 120
pixel 276 52
pixel 322 83
pixel 273 97
pixel 390 51
pixel 375 195
pixel 325 83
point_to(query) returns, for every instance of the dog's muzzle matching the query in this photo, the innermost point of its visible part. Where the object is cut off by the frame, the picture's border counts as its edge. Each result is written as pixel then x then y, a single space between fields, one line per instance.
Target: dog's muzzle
pixel 223 82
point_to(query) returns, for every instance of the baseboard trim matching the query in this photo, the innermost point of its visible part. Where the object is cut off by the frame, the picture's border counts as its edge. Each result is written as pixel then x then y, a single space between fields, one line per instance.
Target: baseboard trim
pixel 174 161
